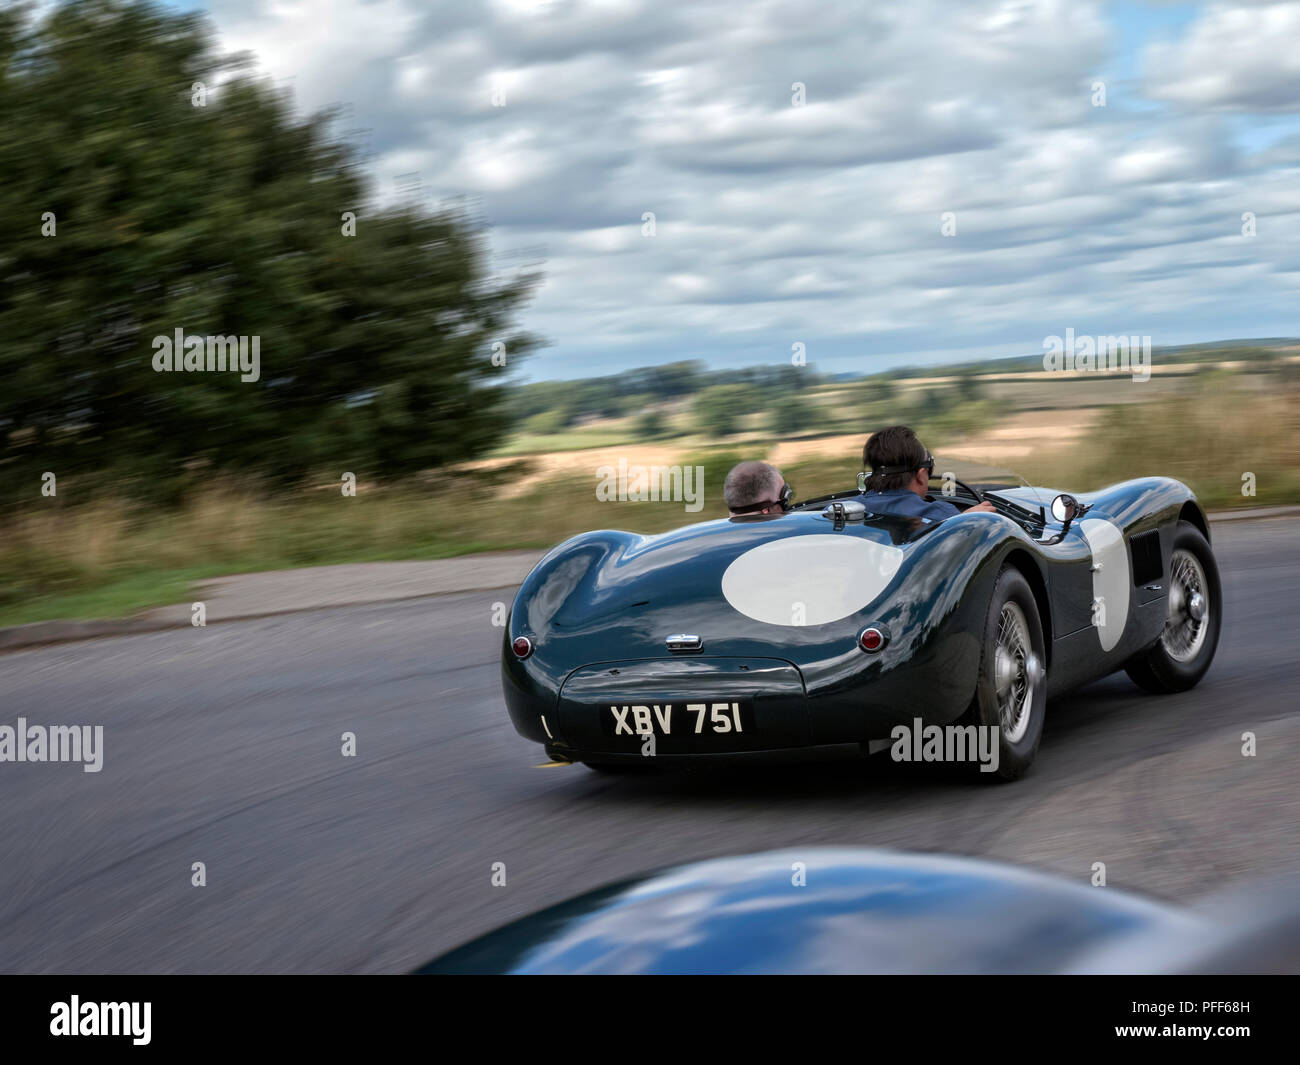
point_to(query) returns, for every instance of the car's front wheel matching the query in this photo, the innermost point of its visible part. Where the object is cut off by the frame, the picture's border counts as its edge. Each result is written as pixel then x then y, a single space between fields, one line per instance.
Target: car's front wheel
pixel 1186 646
pixel 1011 691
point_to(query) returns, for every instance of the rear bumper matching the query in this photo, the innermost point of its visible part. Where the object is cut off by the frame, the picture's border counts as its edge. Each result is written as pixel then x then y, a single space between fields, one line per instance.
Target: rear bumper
pixel 769 693
pixel 844 698
pixel 816 753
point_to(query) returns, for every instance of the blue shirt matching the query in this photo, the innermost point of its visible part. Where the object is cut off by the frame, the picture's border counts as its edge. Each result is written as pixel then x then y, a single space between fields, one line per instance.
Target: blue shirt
pixel 906 503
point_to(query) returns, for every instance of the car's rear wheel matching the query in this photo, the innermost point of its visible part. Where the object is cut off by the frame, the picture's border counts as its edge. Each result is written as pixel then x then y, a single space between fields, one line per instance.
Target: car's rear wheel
pixel 1011 691
pixel 1179 659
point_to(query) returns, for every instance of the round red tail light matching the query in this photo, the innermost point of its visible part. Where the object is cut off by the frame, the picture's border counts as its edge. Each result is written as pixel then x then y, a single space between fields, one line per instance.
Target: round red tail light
pixel 872 640
pixel 522 646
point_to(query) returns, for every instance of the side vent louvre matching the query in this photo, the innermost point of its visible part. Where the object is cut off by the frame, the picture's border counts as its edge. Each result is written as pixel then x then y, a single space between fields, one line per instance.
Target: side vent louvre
pixel 1147 564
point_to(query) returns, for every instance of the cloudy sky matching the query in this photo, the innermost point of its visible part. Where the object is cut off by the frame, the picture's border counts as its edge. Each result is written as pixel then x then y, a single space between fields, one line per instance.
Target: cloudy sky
pixel 822 224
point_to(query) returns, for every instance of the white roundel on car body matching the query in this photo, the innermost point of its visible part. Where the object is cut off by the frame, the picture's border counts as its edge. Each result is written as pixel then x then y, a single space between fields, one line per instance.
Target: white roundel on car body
pixel 809 580
pixel 1110 578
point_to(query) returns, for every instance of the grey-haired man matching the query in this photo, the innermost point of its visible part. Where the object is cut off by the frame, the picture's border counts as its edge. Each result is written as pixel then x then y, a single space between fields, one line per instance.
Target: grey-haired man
pixel 754 488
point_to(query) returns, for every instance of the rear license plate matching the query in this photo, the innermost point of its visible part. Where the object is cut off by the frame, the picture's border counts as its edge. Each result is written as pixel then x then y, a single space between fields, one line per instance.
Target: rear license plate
pixel 673 720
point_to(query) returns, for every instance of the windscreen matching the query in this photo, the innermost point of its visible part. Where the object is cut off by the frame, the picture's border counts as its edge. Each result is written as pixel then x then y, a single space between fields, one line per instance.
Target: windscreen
pixel 956 473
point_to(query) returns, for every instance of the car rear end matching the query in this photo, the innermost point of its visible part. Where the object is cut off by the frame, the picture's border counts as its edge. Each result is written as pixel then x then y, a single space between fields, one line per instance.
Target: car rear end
pixel 621 647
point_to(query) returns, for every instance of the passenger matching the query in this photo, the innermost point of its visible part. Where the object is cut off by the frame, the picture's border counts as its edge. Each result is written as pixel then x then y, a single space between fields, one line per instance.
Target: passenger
pixel 754 488
pixel 900 469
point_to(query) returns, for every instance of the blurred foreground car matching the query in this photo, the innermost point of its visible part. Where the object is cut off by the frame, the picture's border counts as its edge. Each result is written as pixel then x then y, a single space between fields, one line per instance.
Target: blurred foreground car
pixel 830 624
pixel 872 911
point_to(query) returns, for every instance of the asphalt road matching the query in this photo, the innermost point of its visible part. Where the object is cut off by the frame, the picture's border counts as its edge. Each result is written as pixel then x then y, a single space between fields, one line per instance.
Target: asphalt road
pixel 222 746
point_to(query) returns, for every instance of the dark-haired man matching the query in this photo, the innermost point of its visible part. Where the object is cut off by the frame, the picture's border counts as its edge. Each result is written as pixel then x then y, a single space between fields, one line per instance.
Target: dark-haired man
pixel 899 469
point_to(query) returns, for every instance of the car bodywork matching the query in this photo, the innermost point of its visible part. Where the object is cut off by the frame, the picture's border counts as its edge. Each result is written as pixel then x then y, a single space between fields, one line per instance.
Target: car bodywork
pixel 778 603
pixel 839 910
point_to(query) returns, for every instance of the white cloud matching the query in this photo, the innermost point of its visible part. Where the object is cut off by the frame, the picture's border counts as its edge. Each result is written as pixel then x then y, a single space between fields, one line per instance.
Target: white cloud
pixel 1241 57
pixel 822 222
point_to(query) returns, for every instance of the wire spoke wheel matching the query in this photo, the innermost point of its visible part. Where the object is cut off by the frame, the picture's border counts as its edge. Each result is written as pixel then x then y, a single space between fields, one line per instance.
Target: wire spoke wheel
pixel 1017 672
pixel 1189 607
pixel 1185 645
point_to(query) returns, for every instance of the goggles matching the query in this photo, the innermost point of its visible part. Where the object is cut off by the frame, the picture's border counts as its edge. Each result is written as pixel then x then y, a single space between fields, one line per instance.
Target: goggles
pixel 782 501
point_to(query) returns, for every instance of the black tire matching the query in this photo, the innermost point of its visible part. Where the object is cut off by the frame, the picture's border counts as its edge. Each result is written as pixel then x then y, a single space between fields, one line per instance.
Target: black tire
pixel 1018 743
pixel 1159 669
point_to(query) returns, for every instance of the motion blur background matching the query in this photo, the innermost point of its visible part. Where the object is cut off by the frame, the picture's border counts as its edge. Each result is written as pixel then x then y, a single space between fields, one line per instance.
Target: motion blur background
pixel 586 232
pixel 488 249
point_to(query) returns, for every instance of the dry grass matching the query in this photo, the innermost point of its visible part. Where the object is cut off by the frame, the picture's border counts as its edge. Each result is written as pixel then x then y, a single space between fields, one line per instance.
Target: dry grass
pixel 55 553
pixel 1209 438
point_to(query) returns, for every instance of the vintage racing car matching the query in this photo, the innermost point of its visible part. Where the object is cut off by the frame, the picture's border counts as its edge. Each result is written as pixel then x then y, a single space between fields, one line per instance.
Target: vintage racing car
pixel 830 624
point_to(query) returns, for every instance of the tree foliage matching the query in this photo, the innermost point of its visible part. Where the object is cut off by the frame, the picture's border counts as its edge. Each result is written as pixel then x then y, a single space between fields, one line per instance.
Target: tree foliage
pixel 221 219
pixel 792 415
pixel 717 410
pixel 628 392
pixel 651 424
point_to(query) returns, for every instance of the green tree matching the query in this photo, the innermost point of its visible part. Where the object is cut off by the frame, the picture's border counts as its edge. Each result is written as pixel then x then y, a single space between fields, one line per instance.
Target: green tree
pixel 650 424
pixel 927 403
pixel 970 388
pixel 792 414
pixel 717 410
pixel 135 206
pixel 880 388
pixel 546 423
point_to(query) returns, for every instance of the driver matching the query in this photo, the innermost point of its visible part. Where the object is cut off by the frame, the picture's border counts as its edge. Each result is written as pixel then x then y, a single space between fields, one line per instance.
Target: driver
pixel 900 469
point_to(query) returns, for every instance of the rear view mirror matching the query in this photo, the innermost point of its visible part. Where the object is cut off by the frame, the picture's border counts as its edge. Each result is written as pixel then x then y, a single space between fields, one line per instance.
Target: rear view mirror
pixel 1065 508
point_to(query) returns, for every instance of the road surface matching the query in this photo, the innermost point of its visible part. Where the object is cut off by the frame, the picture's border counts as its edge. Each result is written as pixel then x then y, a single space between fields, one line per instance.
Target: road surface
pixel 223 746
